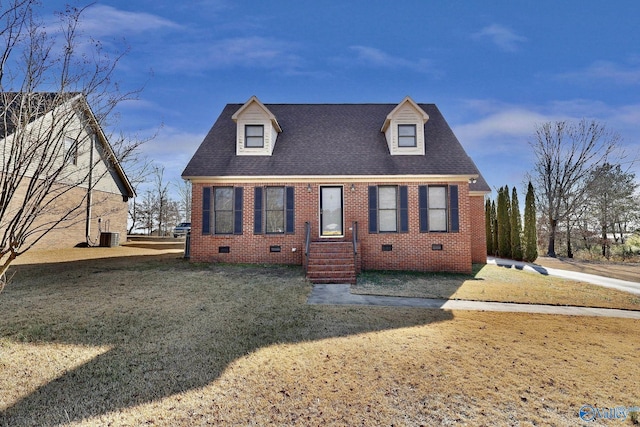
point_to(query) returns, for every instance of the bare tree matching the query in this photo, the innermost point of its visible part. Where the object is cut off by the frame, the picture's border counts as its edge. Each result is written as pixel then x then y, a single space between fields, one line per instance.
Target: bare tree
pixel 146 209
pixel 161 189
pixel 138 171
pixel 184 191
pixel 566 154
pixel 48 80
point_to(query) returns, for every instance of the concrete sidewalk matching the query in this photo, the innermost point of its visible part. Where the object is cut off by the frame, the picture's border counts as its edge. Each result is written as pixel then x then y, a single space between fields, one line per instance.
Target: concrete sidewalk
pixel 341 295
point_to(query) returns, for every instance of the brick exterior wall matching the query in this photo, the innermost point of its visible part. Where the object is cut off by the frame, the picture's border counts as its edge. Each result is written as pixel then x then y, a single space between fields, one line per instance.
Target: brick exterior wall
pixel 478 230
pixel 109 207
pixel 410 251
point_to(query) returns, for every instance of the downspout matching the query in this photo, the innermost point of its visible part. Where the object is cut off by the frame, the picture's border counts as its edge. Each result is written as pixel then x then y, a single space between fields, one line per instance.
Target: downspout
pixel 89 191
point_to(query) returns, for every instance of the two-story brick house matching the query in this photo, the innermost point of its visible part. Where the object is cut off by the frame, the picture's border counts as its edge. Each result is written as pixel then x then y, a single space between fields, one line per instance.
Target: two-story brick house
pixel 371 186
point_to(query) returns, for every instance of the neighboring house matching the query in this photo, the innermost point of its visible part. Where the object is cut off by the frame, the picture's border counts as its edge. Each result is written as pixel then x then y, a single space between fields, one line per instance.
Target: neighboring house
pixel 300 183
pixel 91 190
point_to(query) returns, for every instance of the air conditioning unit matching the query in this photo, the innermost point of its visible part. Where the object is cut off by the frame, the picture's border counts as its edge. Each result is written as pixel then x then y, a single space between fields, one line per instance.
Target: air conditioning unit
pixel 109 240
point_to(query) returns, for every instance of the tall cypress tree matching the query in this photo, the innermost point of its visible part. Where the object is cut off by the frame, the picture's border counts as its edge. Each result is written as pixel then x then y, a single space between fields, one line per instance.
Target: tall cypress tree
pixel 504 223
pixel 516 227
pixel 530 234
pixel 488 224
pixel 494 228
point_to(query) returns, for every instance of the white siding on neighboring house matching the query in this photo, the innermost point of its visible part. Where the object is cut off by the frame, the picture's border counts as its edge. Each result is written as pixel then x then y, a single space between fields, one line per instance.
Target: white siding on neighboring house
pixel 59 131
pixel 83 213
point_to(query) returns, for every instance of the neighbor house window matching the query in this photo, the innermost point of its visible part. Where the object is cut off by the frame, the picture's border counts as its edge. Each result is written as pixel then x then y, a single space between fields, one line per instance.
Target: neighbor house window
pixel 71 151
pixel 254 136
pixel 388 211
pixel 438 208
pixel 407 135
pixel 273 210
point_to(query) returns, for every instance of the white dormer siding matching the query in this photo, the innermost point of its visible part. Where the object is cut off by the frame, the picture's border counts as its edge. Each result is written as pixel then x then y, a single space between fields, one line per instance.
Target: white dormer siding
pixel 406 115
pixel 254 114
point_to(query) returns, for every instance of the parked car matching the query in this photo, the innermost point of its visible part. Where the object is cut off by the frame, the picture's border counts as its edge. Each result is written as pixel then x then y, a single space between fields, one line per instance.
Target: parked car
pixel 182 229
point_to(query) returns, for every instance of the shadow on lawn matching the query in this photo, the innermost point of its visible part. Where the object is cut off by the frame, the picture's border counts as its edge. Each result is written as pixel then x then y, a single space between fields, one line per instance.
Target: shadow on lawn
pixel 173 327
pixel 519 265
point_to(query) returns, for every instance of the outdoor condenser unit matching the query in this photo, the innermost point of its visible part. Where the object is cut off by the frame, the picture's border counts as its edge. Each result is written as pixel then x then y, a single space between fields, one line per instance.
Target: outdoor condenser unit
pixel 109 240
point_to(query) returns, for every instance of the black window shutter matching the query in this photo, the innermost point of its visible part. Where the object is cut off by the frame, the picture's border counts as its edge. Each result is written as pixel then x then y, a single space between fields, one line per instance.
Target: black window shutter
pixel 404 209
pixel 257 210
pixel 373 209
pixel 206 210
pixel 423 201
pixel 237 211
pixel 453 206
pixel 290 210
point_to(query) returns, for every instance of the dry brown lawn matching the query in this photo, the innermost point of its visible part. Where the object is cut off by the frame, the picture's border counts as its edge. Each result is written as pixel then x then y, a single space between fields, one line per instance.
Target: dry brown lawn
pixel 153 340
pixel 619 270
pixel 493 283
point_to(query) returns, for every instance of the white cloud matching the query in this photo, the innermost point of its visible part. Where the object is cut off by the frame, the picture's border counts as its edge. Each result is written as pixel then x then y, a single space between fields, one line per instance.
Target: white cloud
pixel 100 20
pixel 245 52
pixel 253 52
pixel 496 134
pixel 501 126
pixel 503 37
pixel 604 71
pixel 371 56
pixel 172 149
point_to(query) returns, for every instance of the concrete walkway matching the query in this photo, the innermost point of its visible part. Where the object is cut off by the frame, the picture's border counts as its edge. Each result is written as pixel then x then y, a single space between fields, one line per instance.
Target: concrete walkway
pixel 341 295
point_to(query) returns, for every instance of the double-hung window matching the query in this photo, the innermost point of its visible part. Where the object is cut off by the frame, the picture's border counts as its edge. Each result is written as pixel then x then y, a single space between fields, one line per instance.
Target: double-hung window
pixel 438 208
pixel 225 216
pixel 273 210
pixel 407 136
pixel 223 210
pixel 254 136
pixel 388 210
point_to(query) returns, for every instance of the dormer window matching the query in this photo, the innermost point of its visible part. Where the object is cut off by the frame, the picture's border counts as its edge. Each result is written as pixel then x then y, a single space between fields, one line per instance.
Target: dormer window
pixel 254 136
pixel 256 129
pixel 404 129
pixel 407 136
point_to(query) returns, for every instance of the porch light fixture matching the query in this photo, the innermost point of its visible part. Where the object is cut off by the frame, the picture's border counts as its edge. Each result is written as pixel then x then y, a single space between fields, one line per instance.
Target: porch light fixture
pixel 353 187
pixel 308 188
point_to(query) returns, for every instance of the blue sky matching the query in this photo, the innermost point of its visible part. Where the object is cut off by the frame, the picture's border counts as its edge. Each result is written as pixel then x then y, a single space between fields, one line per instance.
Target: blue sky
pixel 494 68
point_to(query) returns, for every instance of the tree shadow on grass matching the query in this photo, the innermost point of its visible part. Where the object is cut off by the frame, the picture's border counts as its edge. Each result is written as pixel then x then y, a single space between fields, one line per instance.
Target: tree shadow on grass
pixel 172 327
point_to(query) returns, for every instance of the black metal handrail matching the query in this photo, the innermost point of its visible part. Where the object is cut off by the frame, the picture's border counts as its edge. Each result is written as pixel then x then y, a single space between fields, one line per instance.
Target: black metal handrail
pixel 307 243
pixel 354 237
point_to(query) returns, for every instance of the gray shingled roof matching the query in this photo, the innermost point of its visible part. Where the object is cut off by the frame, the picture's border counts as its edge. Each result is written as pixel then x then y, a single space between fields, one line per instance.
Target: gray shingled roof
pixel 332 139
